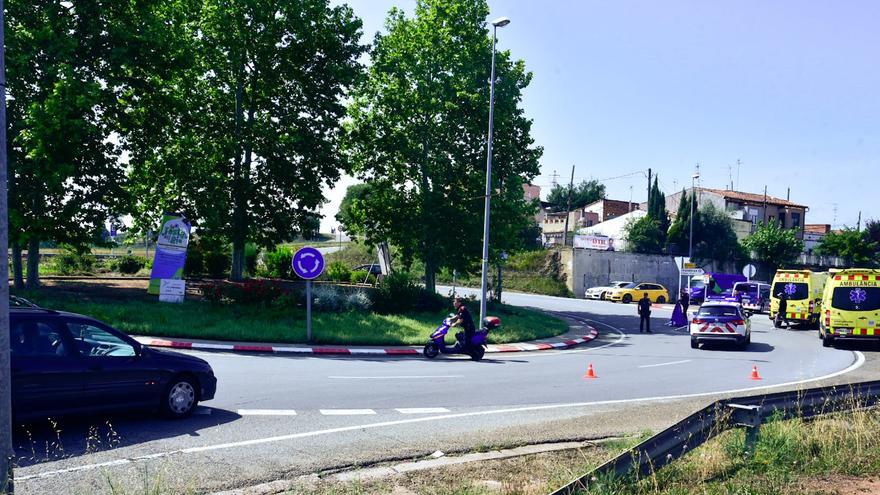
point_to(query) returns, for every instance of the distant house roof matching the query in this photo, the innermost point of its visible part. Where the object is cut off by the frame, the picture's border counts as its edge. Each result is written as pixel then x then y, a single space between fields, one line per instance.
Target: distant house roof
pixel 817 228
pixel 753 198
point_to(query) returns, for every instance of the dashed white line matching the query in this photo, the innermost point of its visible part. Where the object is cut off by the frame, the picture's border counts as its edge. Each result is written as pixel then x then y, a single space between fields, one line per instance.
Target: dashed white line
pixel 665 364
pixel 394 377
pixel 422 410
pixel 266 412
pixel 347 412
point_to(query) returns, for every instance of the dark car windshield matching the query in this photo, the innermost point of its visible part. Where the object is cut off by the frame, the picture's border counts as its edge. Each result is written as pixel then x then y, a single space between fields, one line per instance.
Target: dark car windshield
pixel 718 311
pixel 856 298
pixel 748 287
pixel 795 291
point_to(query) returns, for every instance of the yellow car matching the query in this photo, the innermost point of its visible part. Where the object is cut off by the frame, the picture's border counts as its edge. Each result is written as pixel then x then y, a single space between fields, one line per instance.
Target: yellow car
pixel 633 292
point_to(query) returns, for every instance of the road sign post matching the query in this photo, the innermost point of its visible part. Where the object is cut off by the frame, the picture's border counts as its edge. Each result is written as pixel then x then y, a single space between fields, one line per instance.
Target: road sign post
pixel 308 264
pixel 749 271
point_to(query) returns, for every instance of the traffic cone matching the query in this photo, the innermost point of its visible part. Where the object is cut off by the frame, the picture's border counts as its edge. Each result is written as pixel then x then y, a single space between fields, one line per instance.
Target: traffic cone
pixel 590 373
pixel 755 375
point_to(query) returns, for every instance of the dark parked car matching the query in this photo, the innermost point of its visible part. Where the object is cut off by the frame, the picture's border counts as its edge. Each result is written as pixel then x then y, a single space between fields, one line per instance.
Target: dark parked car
pixel 374 269
pixel 65 363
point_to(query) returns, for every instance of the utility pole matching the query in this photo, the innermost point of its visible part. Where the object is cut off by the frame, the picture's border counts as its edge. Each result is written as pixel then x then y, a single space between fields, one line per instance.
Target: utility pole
pixel 568 208
pixel 649 189
pixel 737 173
pixel 6 452
pixel 859 222
pixel 765 204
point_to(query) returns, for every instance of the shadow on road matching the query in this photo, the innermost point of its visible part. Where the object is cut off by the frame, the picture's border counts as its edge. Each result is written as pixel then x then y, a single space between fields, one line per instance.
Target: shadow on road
pixel 53 439
pixel 755 347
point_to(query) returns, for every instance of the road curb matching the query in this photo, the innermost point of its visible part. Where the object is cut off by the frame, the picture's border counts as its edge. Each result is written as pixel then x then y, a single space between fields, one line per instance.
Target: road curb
pixel 354 350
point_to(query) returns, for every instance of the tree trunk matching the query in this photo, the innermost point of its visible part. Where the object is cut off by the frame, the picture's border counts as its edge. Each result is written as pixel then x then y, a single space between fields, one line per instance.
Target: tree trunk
pixel 17 274
pixel 33 263
pixel 430 275
pixel 237 199
pixel 498 285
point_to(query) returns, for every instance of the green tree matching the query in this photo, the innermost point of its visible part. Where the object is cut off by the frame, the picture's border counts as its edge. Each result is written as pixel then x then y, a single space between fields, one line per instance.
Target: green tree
pixel 854 246
pixel 418 134
pixel 657 210
pixel 588 191
pixel 678 237
pixel 66 62
pixel 644 235
pixel 774 245
pixel 253 126
pixel 714 238
pixel 348 208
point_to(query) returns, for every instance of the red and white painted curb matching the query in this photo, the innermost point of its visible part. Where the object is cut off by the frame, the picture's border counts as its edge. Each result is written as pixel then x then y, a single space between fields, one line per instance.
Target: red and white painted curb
pixel 395 351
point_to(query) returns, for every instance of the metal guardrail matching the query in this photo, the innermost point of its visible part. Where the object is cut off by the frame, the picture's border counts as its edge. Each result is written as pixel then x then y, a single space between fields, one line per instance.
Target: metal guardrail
pixel 750 412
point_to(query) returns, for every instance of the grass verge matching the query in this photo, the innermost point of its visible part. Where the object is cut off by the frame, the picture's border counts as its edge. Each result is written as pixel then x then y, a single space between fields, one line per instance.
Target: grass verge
pixel 201 320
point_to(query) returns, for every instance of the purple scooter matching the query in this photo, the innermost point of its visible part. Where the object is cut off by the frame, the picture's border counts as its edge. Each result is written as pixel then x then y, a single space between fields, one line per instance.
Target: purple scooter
pixel 476 349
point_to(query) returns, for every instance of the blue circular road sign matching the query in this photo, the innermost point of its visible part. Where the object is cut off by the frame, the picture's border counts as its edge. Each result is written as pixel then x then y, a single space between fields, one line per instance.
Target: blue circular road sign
pixel 308 263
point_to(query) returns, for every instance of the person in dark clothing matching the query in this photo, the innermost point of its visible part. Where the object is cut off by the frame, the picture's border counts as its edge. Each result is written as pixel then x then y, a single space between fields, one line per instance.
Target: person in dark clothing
pixel 685 300
pixel 645 314
pixel 464 319
pixel 783 308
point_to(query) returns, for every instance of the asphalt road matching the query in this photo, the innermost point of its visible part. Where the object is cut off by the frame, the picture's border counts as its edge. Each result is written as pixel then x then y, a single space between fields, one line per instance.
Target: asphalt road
pixel 281 416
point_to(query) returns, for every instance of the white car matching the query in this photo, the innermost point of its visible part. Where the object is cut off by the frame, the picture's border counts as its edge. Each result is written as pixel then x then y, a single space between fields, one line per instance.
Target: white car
pixel 598 293
pixel 721 321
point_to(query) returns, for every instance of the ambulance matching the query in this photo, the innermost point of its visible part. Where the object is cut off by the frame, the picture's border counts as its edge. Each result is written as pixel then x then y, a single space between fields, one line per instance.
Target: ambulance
pixel 851 306
pixel 804 290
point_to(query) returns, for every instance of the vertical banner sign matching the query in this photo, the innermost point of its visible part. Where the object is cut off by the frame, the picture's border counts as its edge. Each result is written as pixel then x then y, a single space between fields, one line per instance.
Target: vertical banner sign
pixel 169 258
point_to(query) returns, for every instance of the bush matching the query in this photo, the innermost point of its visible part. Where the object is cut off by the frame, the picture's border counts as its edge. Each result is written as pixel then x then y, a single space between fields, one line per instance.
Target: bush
pixel 358 301
pixel 247 292
pixel 398 293
pixel 338 272
pixel 250 258
pixel 217 263
pixel 359 277
pixel 71 261
pixel 327 298
pixel 129 264
pixel 208 257
pixel 277 263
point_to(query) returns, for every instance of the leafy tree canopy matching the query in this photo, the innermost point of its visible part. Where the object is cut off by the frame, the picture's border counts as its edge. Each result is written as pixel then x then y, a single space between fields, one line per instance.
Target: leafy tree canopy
pixel 417 134
pixel 774 245
pixel 855 246
pixel 644 236
pixel 588 191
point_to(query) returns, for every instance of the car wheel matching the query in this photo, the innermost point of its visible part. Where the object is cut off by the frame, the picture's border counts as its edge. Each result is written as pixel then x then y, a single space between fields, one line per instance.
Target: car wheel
pixel 602 296
pixel 180 398
pixel 661 300
pixel 627 298
pixel 827 341
pixel 743 344
pixel 694 344
pixel 431 350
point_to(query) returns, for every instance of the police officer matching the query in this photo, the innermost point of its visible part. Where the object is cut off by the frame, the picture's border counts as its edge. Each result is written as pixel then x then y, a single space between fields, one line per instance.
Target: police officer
pixel 781 315
pixel 645 314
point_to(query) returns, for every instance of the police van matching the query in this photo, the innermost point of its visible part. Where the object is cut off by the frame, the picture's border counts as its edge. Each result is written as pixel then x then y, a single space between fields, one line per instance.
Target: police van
pixel 803 290
pixel 851 306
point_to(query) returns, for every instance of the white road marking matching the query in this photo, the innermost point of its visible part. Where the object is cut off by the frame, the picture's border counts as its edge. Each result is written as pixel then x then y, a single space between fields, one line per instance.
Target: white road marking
pixel 860 360
pixel 422 410
pixel 394 377
pixel 665 364
pixel 347 412
pixel 266 412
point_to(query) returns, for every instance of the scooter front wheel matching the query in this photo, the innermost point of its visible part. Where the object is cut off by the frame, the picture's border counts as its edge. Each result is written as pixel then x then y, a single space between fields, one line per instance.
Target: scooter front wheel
pixel 431 350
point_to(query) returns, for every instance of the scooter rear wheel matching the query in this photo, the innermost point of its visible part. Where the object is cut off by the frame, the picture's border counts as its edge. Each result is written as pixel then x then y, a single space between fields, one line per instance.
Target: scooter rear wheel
pixel 477 353
pixel 431 350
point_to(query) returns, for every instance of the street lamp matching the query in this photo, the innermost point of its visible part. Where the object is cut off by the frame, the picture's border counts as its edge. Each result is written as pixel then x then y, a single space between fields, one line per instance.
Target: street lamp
pixel 693 202
pixel 497 23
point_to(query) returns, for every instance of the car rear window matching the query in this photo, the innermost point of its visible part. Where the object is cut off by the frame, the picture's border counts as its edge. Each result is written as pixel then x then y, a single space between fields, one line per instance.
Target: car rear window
pixel 718 311
pixel 796 291
pixel 856 298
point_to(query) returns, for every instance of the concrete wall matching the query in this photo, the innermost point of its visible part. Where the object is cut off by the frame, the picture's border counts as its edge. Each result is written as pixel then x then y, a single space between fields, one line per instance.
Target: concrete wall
pixel 594 268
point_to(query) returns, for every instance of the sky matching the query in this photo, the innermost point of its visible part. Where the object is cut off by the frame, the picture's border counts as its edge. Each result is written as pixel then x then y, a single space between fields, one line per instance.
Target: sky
pixel 787 88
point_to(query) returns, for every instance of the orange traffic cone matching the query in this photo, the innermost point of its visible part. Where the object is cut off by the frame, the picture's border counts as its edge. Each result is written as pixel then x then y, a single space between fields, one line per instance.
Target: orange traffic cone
pixel 590 373
pixel 755 375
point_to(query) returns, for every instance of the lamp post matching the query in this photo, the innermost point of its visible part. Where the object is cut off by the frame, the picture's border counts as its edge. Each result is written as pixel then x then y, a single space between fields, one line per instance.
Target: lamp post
pixel 497 23
pixel 693 203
